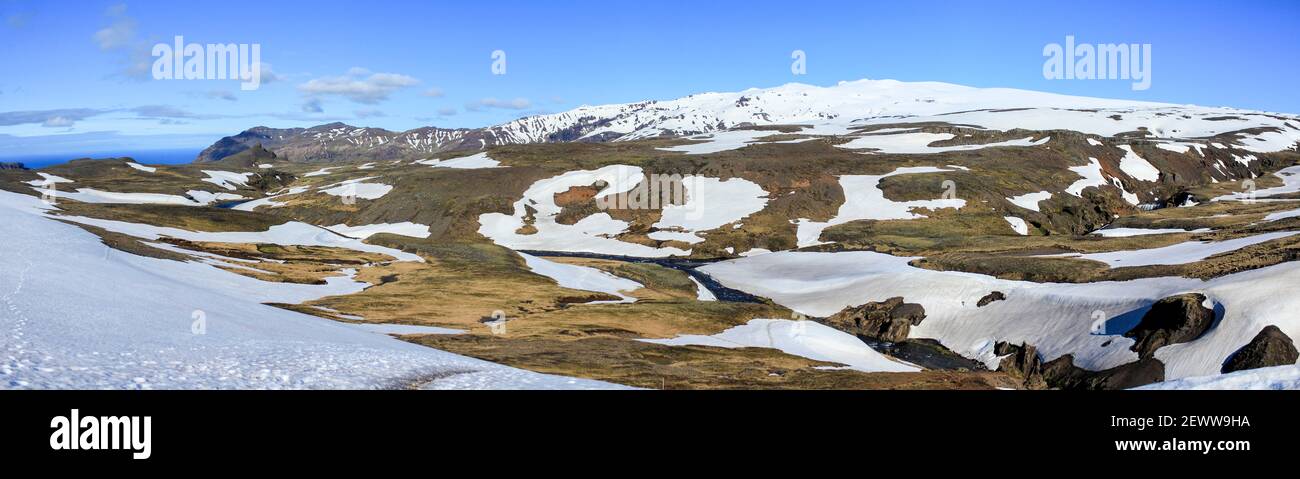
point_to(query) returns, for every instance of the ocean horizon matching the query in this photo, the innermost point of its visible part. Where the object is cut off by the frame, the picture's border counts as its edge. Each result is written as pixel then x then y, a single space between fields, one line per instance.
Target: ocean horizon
pixel 144 157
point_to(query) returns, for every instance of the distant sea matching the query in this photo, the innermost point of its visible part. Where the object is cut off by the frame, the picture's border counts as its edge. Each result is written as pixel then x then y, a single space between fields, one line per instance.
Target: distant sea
pixel 146 157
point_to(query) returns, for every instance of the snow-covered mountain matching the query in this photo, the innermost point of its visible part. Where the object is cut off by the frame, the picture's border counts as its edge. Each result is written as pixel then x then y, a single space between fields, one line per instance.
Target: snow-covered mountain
pixel 828 110
pixel 867 102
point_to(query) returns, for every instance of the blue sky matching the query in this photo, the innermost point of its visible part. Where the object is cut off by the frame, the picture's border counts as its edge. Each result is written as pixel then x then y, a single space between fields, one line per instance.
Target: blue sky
pixel 70 86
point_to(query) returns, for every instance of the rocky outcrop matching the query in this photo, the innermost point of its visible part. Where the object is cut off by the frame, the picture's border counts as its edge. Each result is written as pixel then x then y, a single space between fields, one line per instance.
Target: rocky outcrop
pixel 890 320
pixel 8 165
pixel 1172 320
pixel 926 353
pixel 1271 347
pixel 1061 373
pixel 249 158
pixel 991 297
pixel 1023 363
pixel 885 326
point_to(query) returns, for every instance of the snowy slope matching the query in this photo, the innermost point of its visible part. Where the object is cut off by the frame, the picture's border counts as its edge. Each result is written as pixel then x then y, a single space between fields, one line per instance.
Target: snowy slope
pixel 291 233
pixel 806 339
pixel 67 326
pixel 1277 377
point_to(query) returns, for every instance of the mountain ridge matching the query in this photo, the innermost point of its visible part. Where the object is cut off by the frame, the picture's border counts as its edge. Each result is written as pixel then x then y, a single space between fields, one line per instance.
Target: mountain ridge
pixel 833 109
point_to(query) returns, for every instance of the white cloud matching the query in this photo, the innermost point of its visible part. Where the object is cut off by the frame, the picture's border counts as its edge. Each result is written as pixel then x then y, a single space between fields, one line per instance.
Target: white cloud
pixel 165 111
pixel 221 95
pixel 434 92
pixel 359 85
pixel 57 121
pixel 50 118
pixel 269 75
pixel 312 105
pixel 16 20
pixel 120 38
pixel 120 33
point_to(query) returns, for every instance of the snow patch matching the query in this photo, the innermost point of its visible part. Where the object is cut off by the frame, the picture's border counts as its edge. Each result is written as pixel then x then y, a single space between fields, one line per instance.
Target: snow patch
pixel 48 180
pixel 919 143
pixel 472 162
pixel 1181 253
pixel 726 140
pixel 1290 184
pixel 146 169
pixel 1136 166
pixel 1030 201
pixel 711 203
pixel 357 188
pixel 864 200
pixel 1092 176
pixel 702 292
pixel 1126 232
pixel 583 278
pixel 806 339
pixel 270 200
pixel 406 228
pixel 226 179
pixel 321 172
pixel 1018 225
pixel 291 233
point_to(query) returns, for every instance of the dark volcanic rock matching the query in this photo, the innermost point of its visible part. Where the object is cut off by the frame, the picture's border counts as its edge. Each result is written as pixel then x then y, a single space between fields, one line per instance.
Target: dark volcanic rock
pixel 12 166
pixel 1024 363
pixel 1271 347
pixel 926 353
pixel 989 298
pixel 1063 374
pixel 884 326
pixel 1021 362
pixel 1173 320
pixel 1183 197
pixel 890 320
